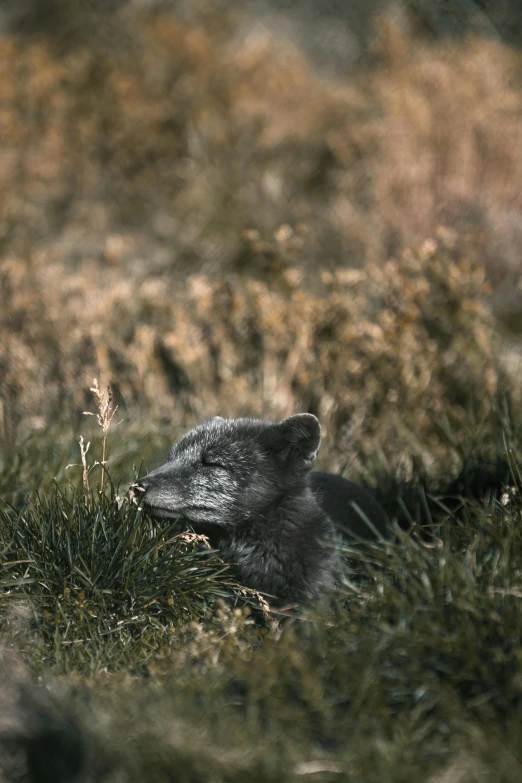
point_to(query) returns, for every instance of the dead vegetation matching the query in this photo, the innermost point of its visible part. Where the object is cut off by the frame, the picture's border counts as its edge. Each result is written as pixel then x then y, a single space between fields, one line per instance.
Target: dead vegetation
pixel 396 355
pixel 180 215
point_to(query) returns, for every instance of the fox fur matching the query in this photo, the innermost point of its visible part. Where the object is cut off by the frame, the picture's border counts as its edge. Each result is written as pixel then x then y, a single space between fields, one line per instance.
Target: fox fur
pixel 248 485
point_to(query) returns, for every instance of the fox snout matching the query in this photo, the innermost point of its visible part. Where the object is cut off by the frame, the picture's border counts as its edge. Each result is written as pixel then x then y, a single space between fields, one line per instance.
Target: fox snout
pixel 153 480
pixel 144 483
pixel 160 493
pixel 165 474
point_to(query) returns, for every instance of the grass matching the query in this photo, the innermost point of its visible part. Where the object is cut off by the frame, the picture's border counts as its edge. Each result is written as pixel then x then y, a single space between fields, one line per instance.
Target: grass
pixel 412 668
pixel 98 572
pixel 129 653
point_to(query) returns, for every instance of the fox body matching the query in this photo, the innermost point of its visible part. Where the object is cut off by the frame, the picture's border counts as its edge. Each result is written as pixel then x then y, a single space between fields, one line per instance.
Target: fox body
pixel 248 485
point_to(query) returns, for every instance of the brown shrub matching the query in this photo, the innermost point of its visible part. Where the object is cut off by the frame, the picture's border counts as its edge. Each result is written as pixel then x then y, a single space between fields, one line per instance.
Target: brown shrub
pixel 389 357
pixel 185 136
pixel 224 157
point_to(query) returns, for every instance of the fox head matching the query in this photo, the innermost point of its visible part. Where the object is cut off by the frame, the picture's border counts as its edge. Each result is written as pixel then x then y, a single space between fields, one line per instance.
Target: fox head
pixel 227 470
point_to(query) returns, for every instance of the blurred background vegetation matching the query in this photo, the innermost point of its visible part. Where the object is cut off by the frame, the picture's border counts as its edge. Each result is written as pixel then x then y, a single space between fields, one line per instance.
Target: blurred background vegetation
pixel 203 208
pixel 259 208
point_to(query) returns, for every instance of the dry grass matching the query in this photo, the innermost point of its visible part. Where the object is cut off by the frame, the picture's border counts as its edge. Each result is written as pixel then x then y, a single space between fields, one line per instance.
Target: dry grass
pixel 396 355
pixel 168 205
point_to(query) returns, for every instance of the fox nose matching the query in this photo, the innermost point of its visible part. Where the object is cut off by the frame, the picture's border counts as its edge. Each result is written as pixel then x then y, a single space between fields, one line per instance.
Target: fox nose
pixel 144 483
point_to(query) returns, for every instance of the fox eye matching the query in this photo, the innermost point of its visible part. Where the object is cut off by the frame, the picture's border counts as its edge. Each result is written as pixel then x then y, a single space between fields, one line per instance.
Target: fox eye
pixel 211 462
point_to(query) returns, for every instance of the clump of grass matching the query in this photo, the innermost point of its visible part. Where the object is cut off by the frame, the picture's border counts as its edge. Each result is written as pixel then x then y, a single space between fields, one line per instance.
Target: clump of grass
pixel 103 578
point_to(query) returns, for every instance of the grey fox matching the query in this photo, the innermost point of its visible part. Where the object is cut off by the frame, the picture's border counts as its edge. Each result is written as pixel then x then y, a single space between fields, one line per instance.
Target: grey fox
pixel 247 484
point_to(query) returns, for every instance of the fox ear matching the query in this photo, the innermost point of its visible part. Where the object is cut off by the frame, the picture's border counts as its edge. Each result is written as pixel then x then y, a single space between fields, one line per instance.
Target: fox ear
pixel 300 435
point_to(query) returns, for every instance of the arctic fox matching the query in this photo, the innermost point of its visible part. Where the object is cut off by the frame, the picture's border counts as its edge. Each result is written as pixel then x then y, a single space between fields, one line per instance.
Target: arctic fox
pixel 247 484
